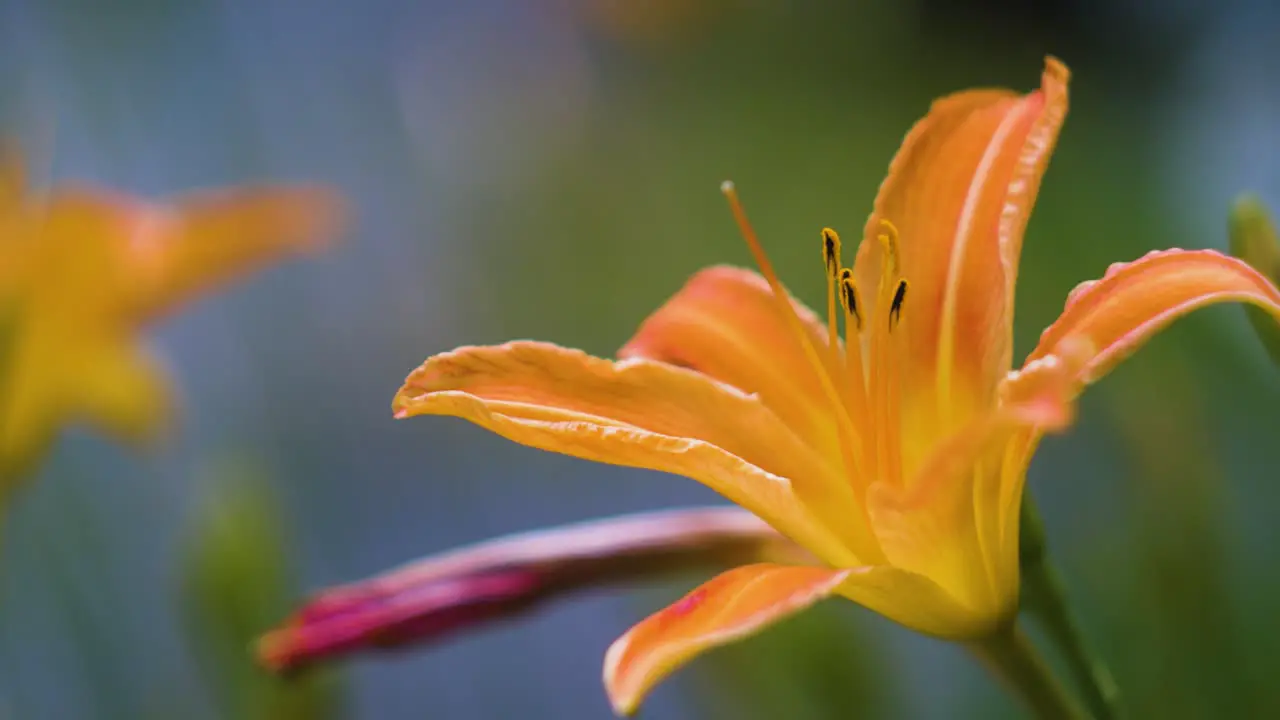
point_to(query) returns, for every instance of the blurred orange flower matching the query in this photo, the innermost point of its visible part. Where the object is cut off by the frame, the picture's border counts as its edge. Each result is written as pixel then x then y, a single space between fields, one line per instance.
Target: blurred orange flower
pixel 898 455
pixel 84 270
pixel 654 23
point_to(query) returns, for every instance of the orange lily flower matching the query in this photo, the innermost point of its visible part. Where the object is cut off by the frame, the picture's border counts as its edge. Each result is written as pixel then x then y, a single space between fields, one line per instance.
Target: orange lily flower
pixel 898 455
pixel 83 270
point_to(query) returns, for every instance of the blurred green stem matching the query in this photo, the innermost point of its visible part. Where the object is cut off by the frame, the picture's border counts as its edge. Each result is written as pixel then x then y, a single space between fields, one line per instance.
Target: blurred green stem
pixel 1252 237
pixel 1011 656
pixel 1045 597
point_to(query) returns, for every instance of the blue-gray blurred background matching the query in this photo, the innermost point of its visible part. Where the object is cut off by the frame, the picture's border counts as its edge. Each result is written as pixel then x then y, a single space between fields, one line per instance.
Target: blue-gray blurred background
pixel 549 169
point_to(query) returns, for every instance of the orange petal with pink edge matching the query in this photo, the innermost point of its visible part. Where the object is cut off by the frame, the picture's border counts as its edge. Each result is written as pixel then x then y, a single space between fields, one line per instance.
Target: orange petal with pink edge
pixel 1135 300
pixel 209 238
pixel 725 323
pixel 960 191
pixel 641 413
pixel 729 607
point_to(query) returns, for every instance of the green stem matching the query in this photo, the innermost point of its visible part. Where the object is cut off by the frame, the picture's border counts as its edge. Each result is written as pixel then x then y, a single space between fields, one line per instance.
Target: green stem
pixel 1011 656
pixel 1045 597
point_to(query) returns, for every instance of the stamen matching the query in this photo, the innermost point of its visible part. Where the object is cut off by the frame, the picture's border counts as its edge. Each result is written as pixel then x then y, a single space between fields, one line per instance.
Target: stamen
pixel 831 257
pixel 886 354
pixel 895 309
pixel 895 355
pixel 854 369
pixel 849 296
pixel 888 238
pixel 848 434
pixel 831 250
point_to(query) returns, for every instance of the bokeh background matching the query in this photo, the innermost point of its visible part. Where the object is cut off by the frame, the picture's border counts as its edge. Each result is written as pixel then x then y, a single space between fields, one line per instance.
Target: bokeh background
pixel 549 169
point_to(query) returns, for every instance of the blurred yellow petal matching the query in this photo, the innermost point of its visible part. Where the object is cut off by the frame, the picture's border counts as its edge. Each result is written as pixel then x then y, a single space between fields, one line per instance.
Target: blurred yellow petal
pixel 207 239
pixel 729 607
pixel 640 413
pixel 119 388
pixel 725 323
pixel 1135 300
pixel 124 390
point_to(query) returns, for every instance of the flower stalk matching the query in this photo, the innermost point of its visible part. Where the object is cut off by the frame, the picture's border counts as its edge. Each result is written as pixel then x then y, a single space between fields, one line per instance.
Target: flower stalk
pixel 1045 597
pixel 1010 655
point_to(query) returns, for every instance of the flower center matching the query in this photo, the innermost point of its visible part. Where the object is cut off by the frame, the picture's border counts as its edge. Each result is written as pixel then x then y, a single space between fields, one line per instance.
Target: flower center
pixel 863 398
pixel 871 399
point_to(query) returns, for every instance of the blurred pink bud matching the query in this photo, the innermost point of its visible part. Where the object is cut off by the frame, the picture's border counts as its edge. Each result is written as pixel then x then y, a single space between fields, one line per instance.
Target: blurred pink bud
pixel 502 578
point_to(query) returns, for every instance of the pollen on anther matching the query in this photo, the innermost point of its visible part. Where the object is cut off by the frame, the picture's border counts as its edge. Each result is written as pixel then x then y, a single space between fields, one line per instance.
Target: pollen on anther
pixel 895 309
pixel 831 249
pixel 849 297
pixel 888 238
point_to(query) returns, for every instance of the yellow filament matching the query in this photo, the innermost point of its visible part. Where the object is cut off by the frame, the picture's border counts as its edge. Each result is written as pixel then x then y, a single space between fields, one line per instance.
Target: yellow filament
pixel 848 434
pixel 896 355
pixel 886 354
pixel 831 259
pixel 854 370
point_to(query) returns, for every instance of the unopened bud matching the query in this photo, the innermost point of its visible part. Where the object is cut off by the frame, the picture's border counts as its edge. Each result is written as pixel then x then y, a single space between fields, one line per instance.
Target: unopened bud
pixel 434 598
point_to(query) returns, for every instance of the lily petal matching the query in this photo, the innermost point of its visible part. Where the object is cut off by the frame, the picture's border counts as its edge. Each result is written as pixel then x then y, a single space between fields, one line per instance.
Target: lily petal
pixel 945 524
pixel 640 413
pixel 725 323
pixel 1107 320
pixel 960 191
pixel 1133 301
pixel 729 607
pixel 209 238
pixel 121 388
pixel 913 600
pixel 125 390
pixel 500 579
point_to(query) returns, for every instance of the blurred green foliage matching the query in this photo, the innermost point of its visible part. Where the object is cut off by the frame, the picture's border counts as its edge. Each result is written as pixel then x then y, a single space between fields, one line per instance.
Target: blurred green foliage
pixel 834 669
pixel 237 582
pixel 1254 239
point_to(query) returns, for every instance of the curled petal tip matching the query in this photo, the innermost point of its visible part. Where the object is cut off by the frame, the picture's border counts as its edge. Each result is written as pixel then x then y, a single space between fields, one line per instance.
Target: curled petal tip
pixel 278 650
pixel 731 606
pixel 1056 69
pixel 347 619
pixel 1135 300
pixel 326 212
